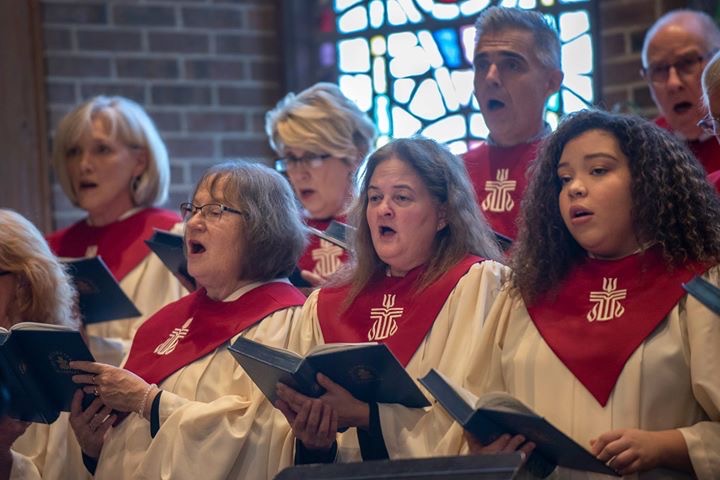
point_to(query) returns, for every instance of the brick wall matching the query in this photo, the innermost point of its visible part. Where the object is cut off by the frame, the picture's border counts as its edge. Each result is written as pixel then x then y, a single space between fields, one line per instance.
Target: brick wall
pixel 208 70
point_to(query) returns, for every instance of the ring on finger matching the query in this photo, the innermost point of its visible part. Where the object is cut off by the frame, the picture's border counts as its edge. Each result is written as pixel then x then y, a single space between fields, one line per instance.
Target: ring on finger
pixel 97 394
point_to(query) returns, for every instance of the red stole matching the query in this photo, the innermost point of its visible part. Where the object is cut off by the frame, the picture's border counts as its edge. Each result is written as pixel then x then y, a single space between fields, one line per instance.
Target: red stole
pixel 195 325
pixel 605 310
pixel 120 244
pixel 498 175
pixel 321 256
pixel 706 151
pixel 388 310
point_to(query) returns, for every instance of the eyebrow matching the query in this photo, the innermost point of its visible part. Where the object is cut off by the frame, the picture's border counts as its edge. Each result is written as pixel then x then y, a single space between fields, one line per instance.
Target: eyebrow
pixel 393 187
pixel 501 53
pixel 592 156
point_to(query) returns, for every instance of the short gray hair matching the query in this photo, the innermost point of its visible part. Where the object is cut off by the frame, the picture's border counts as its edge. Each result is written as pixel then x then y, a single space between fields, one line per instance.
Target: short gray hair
pixel 547 42
pixel 711 79
pixel 322 120
pixel 273 234
pixel 128 123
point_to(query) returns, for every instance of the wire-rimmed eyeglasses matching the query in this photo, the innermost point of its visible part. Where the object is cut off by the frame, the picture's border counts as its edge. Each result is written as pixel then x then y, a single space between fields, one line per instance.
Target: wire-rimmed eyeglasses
pixel 684 66
pixel 210 211
pixel 309 160
pixel 710 124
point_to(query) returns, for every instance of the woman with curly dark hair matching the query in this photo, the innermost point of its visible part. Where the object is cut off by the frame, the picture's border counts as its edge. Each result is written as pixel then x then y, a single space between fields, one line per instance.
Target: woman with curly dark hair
pixel 596 332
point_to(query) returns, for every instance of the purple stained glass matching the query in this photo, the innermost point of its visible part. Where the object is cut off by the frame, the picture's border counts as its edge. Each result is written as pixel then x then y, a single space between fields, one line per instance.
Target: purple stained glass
pixel 327 54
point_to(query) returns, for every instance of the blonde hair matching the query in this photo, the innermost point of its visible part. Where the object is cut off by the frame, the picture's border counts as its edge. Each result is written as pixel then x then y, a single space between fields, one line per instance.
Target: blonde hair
pixel 44 291
pixel 128 123
pixel 321 119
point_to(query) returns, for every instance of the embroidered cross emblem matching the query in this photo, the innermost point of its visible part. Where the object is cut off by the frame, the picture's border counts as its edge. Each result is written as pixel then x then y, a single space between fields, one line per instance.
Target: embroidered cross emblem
pixel 168 346
pixel 385 324
pixel 607 303
pixel 498 198
pixel 327 258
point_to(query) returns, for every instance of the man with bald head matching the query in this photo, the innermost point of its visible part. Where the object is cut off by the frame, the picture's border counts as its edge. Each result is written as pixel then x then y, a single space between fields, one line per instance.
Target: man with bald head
pixel 675 51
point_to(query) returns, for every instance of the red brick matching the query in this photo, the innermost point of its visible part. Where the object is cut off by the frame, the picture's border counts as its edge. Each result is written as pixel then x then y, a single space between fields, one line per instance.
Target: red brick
pixel 132 91
pixel 215 69
pixel 111 40
pixel 73 13
pixel 147 67
pixel 204 17
pixel 624 15
pixel 249 96
pixel 262 18
pixel 265 70
pixel 246 43
pixel 190 147
pixel 179 42
pixel 613 45
pixel 143 16
pixel 60 92
pixel 180 95
pixel 642 97
pixel 77 66
pixel 56 39
pixel 216 122
pixel 244 148
pixel 618 73
pixel 166 121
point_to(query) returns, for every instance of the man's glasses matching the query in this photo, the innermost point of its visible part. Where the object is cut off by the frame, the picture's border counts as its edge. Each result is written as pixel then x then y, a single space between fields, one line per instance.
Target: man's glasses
pixel 710 124
pixel 309 160
pixel 686 66
pixel 210 211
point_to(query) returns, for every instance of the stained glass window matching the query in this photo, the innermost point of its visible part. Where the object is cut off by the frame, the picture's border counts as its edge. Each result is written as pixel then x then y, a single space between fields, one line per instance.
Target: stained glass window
pixel 408 63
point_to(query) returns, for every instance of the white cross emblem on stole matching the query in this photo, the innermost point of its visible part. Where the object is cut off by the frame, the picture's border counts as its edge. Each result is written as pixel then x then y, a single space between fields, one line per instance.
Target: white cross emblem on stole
pixel 327 258
pixel 385 325
pixel 498 198
pixel 168 346
pixel 607 303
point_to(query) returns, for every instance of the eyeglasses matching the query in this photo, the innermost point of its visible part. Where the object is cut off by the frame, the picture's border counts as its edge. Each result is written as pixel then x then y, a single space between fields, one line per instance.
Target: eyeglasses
pixel 710 124
pixel 686 66
pixel 210 211
pixel 309 160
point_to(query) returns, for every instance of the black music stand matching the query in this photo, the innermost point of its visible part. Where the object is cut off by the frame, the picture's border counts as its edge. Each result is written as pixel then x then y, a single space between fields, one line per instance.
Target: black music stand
pixel 468 467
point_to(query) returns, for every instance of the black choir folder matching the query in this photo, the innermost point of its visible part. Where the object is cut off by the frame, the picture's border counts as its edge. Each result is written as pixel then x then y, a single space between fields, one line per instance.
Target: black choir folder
pixel 367 370
pixel 169 247
pixel 706 293
pixel 336 233
pixel 468 467
pixel 34 360
pixel 494 414
pixel 100 296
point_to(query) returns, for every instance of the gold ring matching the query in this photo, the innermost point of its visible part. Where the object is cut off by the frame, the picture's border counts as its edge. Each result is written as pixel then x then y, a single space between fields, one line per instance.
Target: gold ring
pixel 97 394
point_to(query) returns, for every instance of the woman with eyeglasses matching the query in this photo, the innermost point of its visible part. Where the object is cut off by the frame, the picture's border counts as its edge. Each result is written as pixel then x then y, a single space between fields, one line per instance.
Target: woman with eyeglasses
pixel 183 407
pixel 111 162
pixel 34 287
pixel 322 137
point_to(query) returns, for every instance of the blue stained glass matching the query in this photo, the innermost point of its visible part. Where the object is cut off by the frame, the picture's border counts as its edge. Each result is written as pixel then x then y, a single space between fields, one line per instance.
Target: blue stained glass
pixel 553 102
pixel 427 102
pixel 357 88
pixel 478 128
pixel 396 15
pixel 573 24
pixel 379 79
pixel 412 13
pixel 408 59
pixel 341 5
pixel 327 54
pixel 404 124
pixel 447 41
pixel 462 80
pixel 426 5
pixel 382 114
pixel 354 20
pixel 473 7
pixel 354 55
pixel 468 42
pixel 577 56
pixel 444 11
pixel 580 84
pixel 447 89
pixel 449 128
pixel 427 42
pixel 377 13
pixel 402 89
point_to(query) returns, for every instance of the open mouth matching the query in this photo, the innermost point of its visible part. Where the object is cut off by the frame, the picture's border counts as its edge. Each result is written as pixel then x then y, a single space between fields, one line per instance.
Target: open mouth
pixel 386 231
pixel 87 185
pixel 306 192
pixel 195 247
pixel 493 105
pixel 578 213
pixel 682 107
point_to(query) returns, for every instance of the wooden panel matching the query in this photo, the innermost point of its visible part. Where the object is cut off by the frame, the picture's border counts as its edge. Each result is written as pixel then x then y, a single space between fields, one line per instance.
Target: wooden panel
pixel 24 172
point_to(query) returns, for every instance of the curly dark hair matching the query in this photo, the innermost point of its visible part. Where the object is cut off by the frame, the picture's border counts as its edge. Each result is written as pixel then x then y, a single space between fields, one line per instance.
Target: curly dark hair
pixel 674 205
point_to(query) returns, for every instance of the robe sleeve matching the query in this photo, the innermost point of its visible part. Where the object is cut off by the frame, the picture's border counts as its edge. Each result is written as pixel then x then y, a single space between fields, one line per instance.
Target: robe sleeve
pixel 22 468
pixel 703 347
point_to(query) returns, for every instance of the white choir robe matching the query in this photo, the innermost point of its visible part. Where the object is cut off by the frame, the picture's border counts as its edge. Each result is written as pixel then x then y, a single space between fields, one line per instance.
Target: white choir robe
pixel 214 422
pixel 670 381
pixel 418 432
